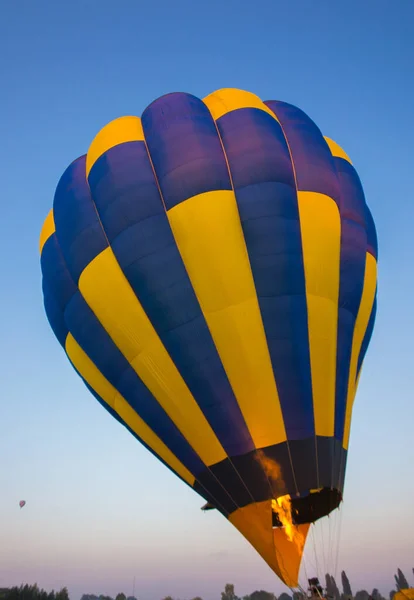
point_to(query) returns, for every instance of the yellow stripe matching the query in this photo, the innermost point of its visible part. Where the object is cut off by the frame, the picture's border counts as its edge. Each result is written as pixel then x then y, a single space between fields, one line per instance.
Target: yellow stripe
pixel 364 313
pixel 111 396
pixel 209 236
pixel 107 292
pixel 336 150
pixel 227 99
pixel 124 129
pixel 321 237
pixel 48 229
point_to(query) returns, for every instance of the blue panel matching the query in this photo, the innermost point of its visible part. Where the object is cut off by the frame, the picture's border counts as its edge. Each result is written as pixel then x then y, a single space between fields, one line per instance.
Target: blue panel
pixel 346 324
pixel 147 253
pixel 266 197
pixel 184 147
pixel 262 153
pixel 352 271
pixel 303 453
pixel 54 314
pixel 367 336
pixel 352 265
pixel 311 155
pixel 78 228
pixel 352 198
pixel 55 272
pixel 234 484
pixel 328 461
pixel 58 287
pixel 119 182
pixel 352 268
pixel 97 344
pixel 356 208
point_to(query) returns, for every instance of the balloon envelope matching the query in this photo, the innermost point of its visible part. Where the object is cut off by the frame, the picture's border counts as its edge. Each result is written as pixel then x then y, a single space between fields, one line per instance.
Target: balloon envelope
pixel 22 503
pixel 210 271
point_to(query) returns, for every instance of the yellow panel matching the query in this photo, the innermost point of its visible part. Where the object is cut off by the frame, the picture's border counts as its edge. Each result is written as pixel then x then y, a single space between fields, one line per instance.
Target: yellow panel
pixel 209 236
pixel 321 237
pixel 364 313
pixel 48 229
pixel 227 99
pixel 282 555
pixel 289 553
pixel 405 594
pixel 336 150
pixel 111 396
pixel 109 295
pixel 124 129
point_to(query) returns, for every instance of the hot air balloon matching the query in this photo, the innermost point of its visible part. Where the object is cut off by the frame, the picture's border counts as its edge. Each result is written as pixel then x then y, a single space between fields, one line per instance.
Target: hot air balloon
pixel 210 271
pixel 22 503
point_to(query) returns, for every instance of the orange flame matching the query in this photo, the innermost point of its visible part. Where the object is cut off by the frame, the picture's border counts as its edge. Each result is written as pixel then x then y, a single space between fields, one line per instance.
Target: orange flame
pixel 282 506
pixel 283 509
pixel 273 471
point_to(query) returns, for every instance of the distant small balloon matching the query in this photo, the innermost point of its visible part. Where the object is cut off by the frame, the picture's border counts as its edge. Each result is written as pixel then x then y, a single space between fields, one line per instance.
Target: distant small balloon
pixel 22 503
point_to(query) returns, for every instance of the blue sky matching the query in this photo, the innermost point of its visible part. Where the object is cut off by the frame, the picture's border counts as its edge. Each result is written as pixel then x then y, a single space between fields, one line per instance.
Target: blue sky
pixel 100 510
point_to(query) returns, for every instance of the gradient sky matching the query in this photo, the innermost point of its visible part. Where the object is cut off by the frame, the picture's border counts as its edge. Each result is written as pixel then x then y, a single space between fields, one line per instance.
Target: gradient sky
pixel 100 509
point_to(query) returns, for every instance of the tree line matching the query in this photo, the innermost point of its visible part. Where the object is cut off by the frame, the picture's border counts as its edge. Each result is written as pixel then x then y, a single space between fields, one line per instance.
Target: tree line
pixel 33 592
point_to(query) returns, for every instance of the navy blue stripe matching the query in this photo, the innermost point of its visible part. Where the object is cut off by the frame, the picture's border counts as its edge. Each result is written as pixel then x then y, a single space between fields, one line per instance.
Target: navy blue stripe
pixel 57 287
pixel 343 462
pixel 54 314
pixel 315 171
pixel 78 229
pixel 54 271
pixel 129 205
pixel 356 208
pixel 329 453
pixel 184 147
pixel 352 271
pixel 265 191
pixel 124 190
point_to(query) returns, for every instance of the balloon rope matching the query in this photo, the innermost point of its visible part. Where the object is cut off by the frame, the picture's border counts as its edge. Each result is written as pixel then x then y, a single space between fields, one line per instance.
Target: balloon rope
pixel 338 541
pixel 316 555
pixel 325 562
pixel 330 541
